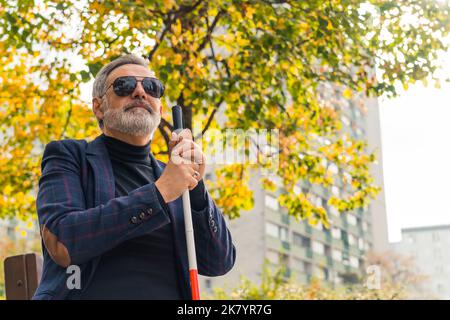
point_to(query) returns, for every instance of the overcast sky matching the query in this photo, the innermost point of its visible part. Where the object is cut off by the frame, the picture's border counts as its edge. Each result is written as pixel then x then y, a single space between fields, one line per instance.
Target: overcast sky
pixel 415 132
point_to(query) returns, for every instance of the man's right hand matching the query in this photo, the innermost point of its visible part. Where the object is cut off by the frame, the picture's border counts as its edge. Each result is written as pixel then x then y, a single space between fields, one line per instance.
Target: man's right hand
pixel 182 170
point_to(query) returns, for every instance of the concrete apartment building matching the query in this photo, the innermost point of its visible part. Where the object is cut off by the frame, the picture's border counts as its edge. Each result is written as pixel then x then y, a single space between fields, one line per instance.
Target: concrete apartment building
pixel 335 255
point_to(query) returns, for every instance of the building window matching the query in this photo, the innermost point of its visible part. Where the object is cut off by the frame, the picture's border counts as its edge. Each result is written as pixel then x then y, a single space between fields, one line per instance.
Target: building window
pixel 283 259
pixel 272 229
pixel 352 220
pixel 337 255
pixel 277 231
pixel 272 256
pixel 318 247
pixel 345 258
pixel 361 244
pixel 283 233
pixel 365 226
pixel 297 239
pixel 344 237
pixel 435 236
pixel 272 202
pixel 351 239
pixel 334 211
pixel 345 120
pixel 359 223
pixel 336 233
pixel 319 201
pixel 327 251
pixel 354 262
pixel 301 241
pixel 410 239
pixel 321 273
pixel 299 265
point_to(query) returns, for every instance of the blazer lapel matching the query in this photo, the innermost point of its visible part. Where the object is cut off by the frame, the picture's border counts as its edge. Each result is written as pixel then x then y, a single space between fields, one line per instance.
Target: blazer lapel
pixel 98 157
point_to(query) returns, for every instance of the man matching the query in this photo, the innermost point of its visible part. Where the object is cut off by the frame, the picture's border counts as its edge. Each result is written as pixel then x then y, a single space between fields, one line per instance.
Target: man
pixel 111 209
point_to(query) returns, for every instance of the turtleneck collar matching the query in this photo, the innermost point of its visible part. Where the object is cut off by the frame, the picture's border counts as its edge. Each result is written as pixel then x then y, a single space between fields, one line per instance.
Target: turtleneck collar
pixel 123 151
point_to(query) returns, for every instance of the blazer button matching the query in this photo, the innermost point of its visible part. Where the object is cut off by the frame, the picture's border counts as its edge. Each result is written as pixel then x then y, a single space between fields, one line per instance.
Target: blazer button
pixel 149 211
pixel 142 215
pixel 212 223
pixel 215 229
pixel 134 220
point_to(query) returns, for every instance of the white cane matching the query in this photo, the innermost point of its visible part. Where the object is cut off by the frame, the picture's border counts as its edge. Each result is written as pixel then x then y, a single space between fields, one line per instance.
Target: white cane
pixel 177 116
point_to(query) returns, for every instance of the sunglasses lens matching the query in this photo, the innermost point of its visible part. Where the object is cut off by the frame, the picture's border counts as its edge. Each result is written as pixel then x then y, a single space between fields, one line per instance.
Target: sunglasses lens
pixel 153 87
pixel 124 86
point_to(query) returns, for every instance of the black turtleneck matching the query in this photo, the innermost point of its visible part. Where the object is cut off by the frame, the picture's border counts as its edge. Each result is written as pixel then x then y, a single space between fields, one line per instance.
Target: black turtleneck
pixel 144 267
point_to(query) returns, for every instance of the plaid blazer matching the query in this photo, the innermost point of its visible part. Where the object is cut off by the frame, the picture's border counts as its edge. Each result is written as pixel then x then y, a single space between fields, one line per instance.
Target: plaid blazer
pixel 76 202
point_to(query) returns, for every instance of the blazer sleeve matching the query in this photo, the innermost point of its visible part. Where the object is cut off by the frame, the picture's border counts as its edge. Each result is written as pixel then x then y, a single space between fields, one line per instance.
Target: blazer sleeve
pixel 73 234
pixel 215 251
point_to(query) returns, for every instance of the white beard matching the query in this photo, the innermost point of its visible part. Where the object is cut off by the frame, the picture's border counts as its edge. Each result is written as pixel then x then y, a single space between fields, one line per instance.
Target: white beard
pixel 134 122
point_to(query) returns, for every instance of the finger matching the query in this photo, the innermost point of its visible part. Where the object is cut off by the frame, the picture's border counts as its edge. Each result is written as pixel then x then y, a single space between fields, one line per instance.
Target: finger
pixel 193 183
pixel 173 140
pixel 174 137
pixel 193 171
pixel 186 134
pixel 196 175
pixel 182 146
pixel 192 156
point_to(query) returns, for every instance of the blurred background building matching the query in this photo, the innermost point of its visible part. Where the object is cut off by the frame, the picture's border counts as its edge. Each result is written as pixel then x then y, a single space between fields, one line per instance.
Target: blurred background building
pixel 335 255
pixel 428 246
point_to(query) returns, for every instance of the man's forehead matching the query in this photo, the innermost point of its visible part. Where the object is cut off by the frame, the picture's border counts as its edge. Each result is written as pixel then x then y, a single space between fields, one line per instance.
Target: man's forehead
pixel 131 70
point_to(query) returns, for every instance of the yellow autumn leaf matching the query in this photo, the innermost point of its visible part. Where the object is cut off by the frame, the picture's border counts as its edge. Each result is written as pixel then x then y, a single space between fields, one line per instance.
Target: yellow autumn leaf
pixel 7 190
pixel 176 28
pixel 249 12
pixel 330 25
pixel 348 94
pixel 177 59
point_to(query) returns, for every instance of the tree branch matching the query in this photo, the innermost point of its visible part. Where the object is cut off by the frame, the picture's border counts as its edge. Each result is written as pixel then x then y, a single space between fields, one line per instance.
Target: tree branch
pixel 210 118
pixel 167 124
pixel 210 29
pixel 164 134
pixel 160 39
pixel 69 115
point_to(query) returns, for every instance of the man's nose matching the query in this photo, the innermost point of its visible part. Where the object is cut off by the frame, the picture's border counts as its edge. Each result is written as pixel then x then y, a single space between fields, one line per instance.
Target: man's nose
pixel 139 92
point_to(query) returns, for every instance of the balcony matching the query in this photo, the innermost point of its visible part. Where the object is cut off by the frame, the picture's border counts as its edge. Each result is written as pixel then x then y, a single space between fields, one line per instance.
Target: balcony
pixel 277 244
pixel 309 253
pixel 308 228
pixel 286 245
pixel 285 219
pixel 329 261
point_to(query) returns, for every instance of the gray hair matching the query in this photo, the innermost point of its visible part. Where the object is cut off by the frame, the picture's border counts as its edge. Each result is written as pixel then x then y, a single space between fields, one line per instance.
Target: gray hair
pixel 99 87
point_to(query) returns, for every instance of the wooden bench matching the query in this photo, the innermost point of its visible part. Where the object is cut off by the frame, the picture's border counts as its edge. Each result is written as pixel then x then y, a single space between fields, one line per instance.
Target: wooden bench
pixel 22 276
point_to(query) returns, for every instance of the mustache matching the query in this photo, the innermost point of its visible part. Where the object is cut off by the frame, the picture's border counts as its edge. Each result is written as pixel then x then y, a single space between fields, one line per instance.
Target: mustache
pixel 141 104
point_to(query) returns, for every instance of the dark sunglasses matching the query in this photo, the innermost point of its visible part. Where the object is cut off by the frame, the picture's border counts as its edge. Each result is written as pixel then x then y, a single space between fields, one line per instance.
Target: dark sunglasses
pixel 124 86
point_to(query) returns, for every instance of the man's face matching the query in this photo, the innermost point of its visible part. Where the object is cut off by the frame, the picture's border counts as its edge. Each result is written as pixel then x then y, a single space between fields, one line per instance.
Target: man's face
pixel 137 114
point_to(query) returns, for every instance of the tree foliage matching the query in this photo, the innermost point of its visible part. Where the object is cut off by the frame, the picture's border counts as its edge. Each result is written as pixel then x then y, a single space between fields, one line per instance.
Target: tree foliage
pixel 262 62
pixel 399 279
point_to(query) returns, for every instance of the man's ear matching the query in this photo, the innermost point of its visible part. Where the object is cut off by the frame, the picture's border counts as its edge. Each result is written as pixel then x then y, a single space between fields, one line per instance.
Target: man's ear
pixel 96 107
